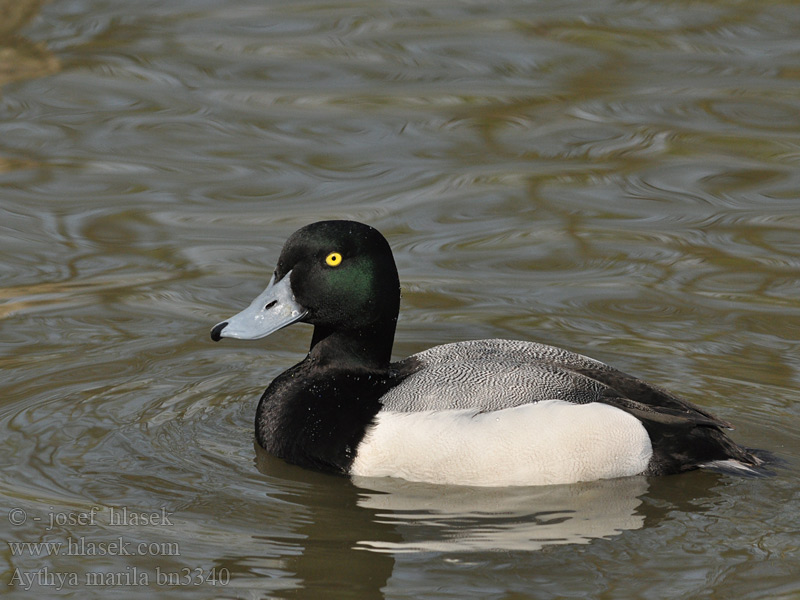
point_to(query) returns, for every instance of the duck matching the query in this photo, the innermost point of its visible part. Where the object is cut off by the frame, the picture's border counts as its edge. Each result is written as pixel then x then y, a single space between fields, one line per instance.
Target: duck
pixel 491 412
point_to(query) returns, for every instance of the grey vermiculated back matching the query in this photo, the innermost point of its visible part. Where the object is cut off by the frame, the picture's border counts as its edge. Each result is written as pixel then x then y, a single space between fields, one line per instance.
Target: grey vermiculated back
pixel 495 374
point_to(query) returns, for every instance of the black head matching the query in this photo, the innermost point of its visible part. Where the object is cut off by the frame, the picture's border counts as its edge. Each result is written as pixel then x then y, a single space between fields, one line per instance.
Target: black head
pixel 343 273
pixel 339 276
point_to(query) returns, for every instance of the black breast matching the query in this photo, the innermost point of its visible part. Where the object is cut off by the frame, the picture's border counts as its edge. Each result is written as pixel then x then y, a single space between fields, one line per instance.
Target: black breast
pixel 316 417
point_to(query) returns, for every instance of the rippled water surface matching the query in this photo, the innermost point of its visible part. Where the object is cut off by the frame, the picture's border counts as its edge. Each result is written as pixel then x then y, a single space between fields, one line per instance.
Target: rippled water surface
pixel 619 178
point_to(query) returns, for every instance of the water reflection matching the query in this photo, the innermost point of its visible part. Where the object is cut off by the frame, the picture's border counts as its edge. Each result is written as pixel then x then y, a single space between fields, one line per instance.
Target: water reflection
pixel 362 536
pixel 19 57
pixel 328 525
pixel 349 532
pixel 453 518
pixel 393 515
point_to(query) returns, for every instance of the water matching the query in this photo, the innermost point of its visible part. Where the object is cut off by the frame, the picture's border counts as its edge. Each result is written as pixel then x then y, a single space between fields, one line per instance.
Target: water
pixel 618 178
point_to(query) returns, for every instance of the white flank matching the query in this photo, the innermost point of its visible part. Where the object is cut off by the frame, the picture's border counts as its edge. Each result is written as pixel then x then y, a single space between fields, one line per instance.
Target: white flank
pixel 548 442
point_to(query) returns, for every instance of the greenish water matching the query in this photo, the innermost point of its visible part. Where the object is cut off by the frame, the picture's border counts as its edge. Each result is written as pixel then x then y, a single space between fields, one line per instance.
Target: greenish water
pixel 618 178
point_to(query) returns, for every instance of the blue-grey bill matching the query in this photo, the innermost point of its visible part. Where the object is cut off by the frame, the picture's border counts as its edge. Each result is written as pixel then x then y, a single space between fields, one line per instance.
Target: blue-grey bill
pixel 272 309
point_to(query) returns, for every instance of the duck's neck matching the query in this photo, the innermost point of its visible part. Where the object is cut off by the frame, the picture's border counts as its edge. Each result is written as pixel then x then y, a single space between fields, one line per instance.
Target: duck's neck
pixel 369 347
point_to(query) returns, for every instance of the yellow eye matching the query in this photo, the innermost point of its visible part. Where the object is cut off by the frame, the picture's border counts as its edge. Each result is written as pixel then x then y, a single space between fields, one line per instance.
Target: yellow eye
pixel 334 259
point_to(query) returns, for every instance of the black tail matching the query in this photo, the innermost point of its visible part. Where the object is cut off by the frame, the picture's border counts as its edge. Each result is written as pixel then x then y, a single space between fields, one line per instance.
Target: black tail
pixel 684 445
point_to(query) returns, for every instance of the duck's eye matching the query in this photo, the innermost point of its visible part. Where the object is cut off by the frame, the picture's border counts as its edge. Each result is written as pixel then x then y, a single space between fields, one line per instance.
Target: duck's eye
pixel 334 259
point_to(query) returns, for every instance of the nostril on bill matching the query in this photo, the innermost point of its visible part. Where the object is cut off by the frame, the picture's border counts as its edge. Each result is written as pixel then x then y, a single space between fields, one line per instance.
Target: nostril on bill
pixel 270 305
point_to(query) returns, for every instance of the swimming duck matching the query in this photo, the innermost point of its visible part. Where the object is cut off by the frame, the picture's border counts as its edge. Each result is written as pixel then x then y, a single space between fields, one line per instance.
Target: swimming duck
pixel 485 412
